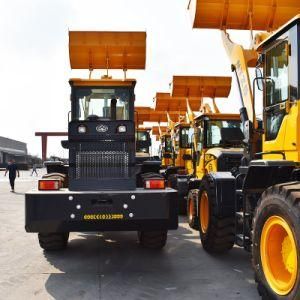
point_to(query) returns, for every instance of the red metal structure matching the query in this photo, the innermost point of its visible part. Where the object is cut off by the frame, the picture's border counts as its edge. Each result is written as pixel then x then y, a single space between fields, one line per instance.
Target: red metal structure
pixel 44 136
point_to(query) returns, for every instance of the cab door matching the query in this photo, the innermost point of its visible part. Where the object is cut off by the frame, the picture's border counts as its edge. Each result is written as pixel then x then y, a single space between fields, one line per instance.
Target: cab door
pixel 276 97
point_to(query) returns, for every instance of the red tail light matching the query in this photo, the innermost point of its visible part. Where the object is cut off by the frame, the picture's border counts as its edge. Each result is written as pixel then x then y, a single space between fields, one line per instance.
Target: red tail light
pixel 154 184
pixel 49 184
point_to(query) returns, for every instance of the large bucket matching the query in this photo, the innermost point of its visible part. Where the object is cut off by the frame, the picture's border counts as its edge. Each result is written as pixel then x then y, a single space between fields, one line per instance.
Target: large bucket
pixel 107 50
pixel 201 86
pixel 266 15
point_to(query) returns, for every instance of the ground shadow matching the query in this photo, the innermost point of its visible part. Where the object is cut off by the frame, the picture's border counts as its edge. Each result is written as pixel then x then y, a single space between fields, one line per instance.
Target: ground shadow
pixel 112 265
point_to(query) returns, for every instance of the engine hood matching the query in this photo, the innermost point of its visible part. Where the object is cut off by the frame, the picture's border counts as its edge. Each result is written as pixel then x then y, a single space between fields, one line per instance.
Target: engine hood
pixel 218 151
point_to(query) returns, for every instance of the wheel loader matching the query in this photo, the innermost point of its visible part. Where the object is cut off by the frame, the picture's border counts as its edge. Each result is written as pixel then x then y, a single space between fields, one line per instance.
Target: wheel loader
pixel 217 146
pixel 257 208
pixel 207 140
pixel 103 188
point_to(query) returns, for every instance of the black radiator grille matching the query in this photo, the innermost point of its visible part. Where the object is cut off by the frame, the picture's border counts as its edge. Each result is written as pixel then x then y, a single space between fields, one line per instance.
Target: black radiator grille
pixel 102 164
pixel 102 160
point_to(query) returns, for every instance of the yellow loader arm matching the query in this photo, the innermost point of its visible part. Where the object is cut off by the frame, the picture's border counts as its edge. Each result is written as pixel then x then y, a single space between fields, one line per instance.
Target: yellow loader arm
pixel 241 59
pixel 171 124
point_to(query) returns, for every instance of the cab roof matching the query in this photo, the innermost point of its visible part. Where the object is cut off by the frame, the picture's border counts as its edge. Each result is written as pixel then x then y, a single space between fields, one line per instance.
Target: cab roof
pixel 219 116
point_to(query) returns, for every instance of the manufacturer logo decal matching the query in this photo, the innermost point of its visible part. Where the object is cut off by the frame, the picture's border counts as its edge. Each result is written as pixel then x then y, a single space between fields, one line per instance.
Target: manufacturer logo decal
pixel 101 128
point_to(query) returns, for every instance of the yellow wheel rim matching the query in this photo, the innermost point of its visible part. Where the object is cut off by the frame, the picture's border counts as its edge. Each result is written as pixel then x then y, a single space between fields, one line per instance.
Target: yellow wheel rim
pixel 191 210
pixel 204 212
pixel 279 255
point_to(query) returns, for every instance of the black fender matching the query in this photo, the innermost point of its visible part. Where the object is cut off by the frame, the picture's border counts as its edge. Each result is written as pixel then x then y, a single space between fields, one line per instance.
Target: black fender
pixel 224 184
pixel 183 185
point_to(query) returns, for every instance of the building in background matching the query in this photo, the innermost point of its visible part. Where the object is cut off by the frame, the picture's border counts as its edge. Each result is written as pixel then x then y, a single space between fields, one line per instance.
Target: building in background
pixel 12 149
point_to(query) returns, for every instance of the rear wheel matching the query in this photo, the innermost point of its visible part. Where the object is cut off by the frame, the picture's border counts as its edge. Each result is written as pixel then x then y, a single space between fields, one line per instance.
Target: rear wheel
pixel 53 241
pixel 216 232
pixel 276 242
pixel 153 239
pixel 192 215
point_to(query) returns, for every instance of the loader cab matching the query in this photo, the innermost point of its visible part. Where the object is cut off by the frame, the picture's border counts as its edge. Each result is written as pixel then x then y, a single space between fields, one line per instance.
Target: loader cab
pixel 102 134
pixel 280 60
pixel 218 143
pixel 101 100
pixel 222 133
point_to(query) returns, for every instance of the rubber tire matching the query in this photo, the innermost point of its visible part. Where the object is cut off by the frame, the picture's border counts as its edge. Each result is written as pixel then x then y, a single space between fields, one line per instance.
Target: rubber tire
pixel 219 237
pixel 193 220
pixel 282 200
pixel 53 241
pixel 153 239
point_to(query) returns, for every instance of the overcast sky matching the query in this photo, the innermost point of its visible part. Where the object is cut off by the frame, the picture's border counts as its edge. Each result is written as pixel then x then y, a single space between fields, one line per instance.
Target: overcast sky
pixel 34 61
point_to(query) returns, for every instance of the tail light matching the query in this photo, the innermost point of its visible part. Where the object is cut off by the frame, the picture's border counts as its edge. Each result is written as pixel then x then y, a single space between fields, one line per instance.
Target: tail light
pixel 154 184
pixel 49 184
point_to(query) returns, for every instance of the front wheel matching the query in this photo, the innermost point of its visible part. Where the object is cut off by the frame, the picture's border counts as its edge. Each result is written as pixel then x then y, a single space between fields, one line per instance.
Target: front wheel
pixel 153 239
pixel 276 243
pixel 216 231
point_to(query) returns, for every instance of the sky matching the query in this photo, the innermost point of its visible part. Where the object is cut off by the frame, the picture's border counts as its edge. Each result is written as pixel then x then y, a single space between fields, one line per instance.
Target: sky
pixel 34 60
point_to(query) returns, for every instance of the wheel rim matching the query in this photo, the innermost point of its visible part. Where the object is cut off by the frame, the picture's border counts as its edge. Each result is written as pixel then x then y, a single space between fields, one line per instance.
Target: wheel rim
pixel 279 255
pixel 191 210
pixel 204 212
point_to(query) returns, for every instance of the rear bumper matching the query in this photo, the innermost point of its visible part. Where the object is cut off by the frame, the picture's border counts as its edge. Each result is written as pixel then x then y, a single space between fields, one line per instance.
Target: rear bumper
pixel 67 211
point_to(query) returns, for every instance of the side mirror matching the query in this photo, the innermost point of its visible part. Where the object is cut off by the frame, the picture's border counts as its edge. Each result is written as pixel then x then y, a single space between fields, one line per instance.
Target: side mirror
pixel 259 79
pixel 65 144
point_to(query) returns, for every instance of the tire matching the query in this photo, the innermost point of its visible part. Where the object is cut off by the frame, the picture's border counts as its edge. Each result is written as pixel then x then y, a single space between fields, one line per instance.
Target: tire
pixel 277 203
pixel 153 239
pixel 53 241
pixel 192 204
pixel 218 236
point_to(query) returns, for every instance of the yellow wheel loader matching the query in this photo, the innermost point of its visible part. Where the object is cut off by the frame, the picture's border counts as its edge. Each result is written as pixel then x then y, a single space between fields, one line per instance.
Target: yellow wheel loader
pixel 205 141
pixel 217 146
pixel 257 208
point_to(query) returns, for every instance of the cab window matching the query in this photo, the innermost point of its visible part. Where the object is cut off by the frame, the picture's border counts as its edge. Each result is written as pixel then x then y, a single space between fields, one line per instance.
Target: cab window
pixel 277 88
pixel 214 130
pixel 168 144
pixel 102 103
pixel 186 135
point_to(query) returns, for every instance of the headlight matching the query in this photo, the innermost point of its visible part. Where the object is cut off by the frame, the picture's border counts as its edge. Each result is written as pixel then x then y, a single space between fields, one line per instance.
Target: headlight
pixel 122 128
pixel 82 129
